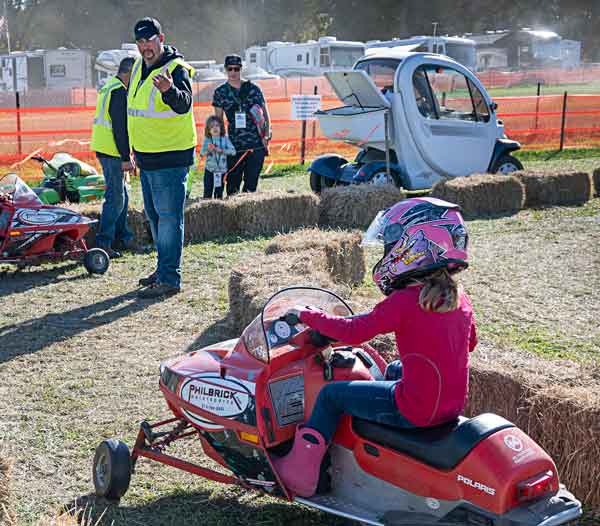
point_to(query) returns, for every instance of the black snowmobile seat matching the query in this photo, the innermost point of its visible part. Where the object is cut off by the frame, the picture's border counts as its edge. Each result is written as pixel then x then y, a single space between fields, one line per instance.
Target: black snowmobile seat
pixel 442 446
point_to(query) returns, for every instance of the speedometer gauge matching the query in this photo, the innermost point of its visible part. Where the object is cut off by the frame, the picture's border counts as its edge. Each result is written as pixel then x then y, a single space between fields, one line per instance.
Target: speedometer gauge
pixel 282 330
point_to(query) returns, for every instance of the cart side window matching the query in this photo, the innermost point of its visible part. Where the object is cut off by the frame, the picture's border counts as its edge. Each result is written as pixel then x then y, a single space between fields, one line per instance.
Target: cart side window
pixel 481 107
pixel 423 95
pixel 451 93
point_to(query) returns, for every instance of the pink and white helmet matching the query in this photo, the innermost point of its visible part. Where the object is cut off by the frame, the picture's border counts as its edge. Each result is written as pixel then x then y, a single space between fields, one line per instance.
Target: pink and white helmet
pixel 420 235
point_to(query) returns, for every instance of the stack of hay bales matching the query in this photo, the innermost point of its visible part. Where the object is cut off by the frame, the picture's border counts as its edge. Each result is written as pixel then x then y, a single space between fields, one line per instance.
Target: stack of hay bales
pixel 5 500
pixel 208 219
pixel 552 189
pixel 482 195
pixel 274 211
pixel 344 255
pixel 253 283
pixel 547 400
pixel 596 178
pixel 355 206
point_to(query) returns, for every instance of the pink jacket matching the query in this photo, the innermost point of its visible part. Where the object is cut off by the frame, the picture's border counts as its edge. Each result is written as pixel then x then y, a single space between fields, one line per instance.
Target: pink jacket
pixel 434 349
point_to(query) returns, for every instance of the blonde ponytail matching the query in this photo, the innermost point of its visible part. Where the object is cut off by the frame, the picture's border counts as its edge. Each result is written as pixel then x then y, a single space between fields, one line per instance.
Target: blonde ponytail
pixel 440 292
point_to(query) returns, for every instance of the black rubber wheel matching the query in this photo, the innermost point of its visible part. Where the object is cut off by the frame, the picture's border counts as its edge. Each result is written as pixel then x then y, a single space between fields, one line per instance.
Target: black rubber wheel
pixel 506 164
pixel 112 469
pixel 315 182
pixel 96 261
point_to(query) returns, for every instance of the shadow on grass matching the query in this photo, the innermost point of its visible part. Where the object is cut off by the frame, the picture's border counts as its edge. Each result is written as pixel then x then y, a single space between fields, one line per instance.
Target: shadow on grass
pixel 14 281
pixel 33 335
pixel 217 332
pixel 201 508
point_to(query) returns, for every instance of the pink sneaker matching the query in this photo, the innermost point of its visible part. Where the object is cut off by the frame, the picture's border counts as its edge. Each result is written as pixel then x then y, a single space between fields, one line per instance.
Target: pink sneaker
pixel 299 469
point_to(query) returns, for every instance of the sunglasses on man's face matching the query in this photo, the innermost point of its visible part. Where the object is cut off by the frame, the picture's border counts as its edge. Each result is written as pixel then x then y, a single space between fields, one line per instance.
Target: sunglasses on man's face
pixel 233 69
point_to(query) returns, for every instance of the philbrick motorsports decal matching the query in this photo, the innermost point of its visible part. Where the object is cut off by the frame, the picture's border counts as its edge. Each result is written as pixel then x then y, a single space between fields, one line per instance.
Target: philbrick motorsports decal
pixel 225 397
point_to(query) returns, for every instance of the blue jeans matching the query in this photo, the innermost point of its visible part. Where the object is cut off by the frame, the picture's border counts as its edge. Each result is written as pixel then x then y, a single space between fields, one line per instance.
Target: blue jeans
pixel 164 199
pixel 113 221
pixel 373 401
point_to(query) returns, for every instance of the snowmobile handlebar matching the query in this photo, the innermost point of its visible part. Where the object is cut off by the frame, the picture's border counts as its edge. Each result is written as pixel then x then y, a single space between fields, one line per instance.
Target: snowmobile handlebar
pixel 316 338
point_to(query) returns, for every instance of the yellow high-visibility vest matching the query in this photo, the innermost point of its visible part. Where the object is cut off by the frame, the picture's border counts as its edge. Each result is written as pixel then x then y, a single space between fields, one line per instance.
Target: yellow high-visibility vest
pixel 103 140
pixel 153 126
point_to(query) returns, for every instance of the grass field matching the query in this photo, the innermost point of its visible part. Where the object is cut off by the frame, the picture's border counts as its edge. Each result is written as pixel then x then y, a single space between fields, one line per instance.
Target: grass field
pixel 529 90
pixel 79 355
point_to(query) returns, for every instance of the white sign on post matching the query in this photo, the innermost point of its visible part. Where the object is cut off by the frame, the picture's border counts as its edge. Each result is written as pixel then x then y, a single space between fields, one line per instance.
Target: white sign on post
pixel 304 106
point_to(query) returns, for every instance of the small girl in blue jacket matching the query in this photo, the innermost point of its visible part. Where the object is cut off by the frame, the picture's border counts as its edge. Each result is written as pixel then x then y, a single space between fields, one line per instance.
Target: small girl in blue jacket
pixel 216 147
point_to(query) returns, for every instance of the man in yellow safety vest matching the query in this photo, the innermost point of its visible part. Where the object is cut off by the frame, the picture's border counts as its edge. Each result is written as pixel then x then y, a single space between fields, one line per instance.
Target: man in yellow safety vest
pixel 110 141
pixel 162 133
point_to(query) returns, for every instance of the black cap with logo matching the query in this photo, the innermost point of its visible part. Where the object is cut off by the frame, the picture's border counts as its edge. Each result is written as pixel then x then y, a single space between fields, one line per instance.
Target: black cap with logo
pixel 147 28
pixel 233 60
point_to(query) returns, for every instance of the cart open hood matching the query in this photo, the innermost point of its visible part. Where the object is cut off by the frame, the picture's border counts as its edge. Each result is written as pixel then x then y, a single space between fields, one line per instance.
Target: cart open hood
pixel 356 88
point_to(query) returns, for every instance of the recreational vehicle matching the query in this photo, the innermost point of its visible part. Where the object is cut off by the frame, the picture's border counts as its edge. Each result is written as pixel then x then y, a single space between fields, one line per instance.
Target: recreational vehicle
pixel 312 58
pixel 107 62
pixel 460 49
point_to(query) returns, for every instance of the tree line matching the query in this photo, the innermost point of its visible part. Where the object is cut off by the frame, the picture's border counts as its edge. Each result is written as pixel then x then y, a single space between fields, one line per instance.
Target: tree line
pixel 211 28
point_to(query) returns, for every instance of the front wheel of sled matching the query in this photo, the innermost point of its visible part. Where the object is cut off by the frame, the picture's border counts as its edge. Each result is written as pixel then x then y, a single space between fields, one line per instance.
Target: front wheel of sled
pixel 96 261
pixel 112 469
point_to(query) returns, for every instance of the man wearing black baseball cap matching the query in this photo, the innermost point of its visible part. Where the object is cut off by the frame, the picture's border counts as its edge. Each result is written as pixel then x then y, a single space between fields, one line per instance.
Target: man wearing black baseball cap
pixel 162 133
pixel 244 105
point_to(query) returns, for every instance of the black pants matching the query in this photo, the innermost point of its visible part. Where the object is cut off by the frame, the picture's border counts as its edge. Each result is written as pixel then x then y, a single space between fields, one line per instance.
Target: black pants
pixel 210 190
pixel 249 169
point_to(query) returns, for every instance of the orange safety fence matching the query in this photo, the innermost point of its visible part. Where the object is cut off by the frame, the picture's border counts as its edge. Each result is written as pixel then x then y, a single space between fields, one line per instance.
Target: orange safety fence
pixel 534 121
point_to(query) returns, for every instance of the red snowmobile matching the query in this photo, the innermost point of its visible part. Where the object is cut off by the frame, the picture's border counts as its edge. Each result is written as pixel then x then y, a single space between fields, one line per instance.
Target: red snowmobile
pixel 32 232
pixel 242 400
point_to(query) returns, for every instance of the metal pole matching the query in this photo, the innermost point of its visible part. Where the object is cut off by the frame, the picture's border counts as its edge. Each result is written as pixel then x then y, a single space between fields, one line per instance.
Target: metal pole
pixel 537 104
pixel 303 143
pixel 387 145
pixel 314 122
pixel 18 107
pixel 564 119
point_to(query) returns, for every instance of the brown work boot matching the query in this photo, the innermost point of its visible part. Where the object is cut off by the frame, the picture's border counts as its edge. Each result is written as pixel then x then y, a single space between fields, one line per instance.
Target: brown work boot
pixel 158 290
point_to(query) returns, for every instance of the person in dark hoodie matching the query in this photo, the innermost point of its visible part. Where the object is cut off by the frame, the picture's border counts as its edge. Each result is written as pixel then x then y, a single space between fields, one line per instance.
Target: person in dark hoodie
pixel 162 134
pixel 111 144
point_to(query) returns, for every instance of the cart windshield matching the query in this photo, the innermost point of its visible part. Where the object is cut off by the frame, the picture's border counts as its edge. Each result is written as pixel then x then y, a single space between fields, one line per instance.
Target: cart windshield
pixel 17 191
pixel 268 332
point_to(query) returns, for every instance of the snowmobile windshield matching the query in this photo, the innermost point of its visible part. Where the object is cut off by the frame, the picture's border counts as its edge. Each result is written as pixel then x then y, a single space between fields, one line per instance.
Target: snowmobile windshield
pixel 18 192
pixel 263 335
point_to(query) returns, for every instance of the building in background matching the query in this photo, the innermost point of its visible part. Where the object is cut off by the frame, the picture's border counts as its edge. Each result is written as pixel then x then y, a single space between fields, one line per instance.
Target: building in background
pixel 525 49
pixel 311 58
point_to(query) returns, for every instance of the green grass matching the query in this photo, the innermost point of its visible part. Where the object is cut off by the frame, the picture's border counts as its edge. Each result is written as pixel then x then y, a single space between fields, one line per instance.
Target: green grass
pixel 527 90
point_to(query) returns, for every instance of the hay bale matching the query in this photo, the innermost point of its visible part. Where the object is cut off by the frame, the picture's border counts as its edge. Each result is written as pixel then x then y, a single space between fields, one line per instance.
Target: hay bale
pixel 596 180
pixel 482 195
pixel 252 283
pixel 345 257
pixel 209 219
pixel 356 205
pixel 6 509
pixel 548 401
pixel 274 211
pixel 551 189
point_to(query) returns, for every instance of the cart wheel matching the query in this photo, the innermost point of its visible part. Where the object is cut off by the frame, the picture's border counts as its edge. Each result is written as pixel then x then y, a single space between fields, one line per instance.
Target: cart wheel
pixel 382 178
pixel 96 261
pixel 112 469
pixel 507 164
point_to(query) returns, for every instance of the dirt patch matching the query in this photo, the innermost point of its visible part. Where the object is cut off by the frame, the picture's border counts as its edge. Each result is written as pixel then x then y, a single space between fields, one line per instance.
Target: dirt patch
pixel 6 504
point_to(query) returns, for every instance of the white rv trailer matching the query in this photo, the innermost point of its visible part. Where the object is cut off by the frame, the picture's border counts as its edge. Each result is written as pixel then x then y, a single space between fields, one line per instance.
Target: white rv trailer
pixel 45 68
pixel 107 62
pixel 67 68
pixel 312 58
pixel 21 71
pixel 460 49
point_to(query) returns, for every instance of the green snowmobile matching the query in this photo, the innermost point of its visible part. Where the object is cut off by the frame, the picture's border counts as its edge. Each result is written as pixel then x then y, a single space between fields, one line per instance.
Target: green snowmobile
pixel 68 179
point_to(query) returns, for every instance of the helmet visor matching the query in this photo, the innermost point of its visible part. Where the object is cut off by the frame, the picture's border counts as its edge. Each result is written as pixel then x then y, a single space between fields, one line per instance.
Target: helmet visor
pixel 374 234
